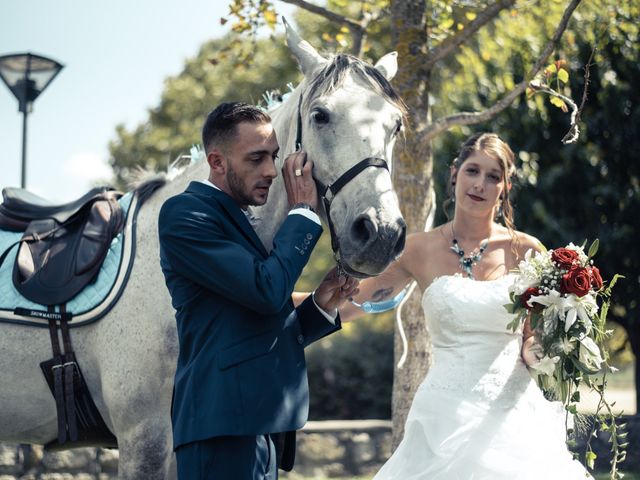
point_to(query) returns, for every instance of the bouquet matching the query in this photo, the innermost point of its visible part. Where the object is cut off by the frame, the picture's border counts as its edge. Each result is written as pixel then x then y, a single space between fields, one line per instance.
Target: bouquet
pixel 566 300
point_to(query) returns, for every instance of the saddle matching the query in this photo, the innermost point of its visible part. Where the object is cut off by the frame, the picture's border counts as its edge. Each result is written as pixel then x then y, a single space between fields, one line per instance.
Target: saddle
pixel 63 246
pixel 60 252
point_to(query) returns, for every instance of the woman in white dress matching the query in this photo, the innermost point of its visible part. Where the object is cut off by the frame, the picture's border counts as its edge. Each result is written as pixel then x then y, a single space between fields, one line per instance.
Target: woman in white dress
pixel 477 415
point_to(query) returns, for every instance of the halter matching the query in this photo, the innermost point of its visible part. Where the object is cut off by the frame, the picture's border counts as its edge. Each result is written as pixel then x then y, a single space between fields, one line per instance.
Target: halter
pixel 328 193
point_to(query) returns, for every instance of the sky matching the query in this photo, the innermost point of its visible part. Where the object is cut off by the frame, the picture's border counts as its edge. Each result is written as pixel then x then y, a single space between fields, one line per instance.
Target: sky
pixel 116 56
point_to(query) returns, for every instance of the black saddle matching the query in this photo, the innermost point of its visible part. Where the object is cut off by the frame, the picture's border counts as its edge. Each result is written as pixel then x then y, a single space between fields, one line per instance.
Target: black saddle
pixel 63 246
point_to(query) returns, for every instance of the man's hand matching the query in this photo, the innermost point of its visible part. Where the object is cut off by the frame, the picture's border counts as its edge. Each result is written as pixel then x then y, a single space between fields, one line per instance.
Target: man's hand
pixel 298 180
pixel 334 290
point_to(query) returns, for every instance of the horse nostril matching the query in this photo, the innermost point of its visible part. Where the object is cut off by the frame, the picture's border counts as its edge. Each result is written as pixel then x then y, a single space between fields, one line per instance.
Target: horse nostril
pixel 399 246
pixel 363 229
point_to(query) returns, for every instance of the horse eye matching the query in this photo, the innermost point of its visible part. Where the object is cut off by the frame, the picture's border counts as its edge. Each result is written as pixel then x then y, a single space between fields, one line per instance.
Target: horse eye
pixel 398 127
pixel 319 116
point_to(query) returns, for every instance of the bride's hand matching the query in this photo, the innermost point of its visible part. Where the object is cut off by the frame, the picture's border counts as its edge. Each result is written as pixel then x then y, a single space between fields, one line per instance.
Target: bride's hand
pixel 531 351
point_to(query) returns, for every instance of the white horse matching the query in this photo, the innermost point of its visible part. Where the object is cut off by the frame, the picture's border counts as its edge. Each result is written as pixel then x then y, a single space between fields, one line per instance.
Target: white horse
pixel 348 113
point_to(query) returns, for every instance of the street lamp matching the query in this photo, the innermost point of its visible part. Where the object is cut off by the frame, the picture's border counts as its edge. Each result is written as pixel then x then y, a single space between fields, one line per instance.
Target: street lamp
pixel 27 75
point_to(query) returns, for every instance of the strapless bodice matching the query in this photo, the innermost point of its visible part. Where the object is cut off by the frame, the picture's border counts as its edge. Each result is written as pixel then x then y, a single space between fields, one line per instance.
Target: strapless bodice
pixel 473 351
pixel 457 306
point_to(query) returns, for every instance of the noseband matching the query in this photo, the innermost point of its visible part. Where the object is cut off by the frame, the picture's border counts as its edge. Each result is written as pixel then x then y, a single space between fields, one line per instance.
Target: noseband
pixel 328 194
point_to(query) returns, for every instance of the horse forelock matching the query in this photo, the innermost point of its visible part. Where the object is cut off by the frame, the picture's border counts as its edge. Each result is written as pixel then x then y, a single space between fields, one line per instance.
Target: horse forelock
pixel 334 73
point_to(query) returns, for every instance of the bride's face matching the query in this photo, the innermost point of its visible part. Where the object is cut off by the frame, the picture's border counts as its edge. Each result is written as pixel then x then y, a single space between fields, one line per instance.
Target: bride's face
pixel 479 183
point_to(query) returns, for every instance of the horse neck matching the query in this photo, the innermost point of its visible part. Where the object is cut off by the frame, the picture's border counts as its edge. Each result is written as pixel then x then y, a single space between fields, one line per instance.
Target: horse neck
pixel 274 212
pixel 148 216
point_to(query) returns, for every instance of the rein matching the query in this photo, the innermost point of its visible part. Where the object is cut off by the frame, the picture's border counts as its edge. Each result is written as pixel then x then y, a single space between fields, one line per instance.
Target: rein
pixel 329 192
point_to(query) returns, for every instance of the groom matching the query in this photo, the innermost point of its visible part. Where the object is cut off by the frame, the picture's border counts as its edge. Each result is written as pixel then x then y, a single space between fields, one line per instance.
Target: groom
pixel 241 383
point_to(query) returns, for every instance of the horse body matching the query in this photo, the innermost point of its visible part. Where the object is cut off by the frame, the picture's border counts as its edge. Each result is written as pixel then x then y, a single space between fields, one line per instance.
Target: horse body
pixel 128 358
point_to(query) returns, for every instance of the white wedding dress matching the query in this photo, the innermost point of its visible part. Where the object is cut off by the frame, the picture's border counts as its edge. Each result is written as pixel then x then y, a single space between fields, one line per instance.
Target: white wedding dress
pixel 478 415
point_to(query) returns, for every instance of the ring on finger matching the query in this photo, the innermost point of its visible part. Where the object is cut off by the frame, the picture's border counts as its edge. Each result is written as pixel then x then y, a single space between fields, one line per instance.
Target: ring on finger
pixel 298 172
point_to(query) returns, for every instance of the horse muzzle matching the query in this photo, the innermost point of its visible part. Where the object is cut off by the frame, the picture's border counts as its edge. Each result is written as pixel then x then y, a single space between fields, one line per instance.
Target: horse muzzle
pixel 371 246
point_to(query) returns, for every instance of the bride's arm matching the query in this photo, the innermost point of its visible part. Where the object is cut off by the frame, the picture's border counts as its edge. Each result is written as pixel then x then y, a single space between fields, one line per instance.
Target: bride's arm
pixel 382 287
pixel 377 289
pixel 531 350
pixel 374 289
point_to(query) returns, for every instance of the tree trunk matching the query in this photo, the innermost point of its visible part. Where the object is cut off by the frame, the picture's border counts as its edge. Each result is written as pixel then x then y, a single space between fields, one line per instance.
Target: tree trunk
pixel 412 179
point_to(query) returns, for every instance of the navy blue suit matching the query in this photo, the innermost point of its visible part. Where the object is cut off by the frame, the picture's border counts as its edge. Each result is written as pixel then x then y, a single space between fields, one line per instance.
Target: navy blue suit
pixel 241 367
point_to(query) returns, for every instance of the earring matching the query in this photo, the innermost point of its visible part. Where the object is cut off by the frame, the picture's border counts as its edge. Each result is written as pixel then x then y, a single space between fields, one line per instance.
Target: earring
pixel 453 192
pixel 500 212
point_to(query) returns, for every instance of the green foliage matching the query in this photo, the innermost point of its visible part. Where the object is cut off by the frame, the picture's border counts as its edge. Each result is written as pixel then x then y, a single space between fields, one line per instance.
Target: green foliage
pixel 590 189
pixel 587 190
pixel 351 372
pixel 175 124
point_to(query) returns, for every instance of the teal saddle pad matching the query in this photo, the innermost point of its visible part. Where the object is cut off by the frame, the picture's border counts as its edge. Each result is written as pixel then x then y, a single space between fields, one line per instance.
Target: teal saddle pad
pixel 91 297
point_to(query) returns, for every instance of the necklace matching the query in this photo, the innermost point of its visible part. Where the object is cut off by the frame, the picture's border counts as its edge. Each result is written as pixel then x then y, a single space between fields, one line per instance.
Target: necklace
pixel 467 263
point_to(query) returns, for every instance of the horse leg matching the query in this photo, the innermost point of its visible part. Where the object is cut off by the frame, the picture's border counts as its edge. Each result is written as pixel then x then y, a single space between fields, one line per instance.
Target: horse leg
pixel 146 451
pixel 136 384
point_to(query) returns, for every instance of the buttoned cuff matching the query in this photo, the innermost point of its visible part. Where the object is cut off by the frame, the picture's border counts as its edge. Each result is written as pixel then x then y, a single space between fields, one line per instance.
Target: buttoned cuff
pixel 305 212
pixel 330 316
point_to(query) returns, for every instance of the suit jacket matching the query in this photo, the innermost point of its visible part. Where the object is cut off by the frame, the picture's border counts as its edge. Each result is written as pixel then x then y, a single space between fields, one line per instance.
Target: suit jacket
pixel 241 367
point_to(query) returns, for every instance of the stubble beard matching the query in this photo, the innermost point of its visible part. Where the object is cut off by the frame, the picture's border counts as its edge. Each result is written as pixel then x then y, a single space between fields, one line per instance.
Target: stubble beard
pixel 240 190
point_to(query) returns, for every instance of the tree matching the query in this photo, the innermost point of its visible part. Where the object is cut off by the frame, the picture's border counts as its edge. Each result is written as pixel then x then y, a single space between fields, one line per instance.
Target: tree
pixel 175 124
pixel 595 182
pixel 429 38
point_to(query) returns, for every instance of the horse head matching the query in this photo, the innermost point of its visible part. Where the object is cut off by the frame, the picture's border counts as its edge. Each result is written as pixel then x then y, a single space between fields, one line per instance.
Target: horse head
pixel 347 117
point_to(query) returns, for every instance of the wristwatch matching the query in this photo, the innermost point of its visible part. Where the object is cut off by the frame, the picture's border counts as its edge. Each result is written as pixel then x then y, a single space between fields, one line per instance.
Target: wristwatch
pixel 306 206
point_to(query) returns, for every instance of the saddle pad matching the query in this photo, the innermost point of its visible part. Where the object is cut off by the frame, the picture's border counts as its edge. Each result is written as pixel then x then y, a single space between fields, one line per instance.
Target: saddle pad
pixel 90 297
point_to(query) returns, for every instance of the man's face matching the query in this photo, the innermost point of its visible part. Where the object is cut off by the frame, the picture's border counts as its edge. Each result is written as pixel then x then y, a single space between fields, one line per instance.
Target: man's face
pixel 250 161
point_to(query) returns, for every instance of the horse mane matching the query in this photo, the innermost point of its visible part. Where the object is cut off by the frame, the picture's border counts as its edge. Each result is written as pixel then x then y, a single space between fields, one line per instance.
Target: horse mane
pixel 146 183
pixel 335 72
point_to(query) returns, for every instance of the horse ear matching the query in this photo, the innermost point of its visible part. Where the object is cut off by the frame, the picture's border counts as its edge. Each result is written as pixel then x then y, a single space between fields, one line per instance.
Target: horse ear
pixel 388 65
pixel 307 56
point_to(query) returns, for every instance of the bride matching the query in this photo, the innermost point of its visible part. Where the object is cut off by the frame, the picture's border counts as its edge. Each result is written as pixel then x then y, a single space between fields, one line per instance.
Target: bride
pixel 478 414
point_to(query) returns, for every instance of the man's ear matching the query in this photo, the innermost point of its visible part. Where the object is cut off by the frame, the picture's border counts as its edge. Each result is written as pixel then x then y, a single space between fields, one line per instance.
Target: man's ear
pixel 217 162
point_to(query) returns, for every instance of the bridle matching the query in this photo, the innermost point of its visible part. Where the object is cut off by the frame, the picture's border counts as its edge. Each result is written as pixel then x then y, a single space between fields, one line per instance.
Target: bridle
pixel 328 194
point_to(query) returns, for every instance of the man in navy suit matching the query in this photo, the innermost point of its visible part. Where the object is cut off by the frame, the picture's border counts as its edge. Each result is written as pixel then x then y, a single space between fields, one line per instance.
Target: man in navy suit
pixel 241 388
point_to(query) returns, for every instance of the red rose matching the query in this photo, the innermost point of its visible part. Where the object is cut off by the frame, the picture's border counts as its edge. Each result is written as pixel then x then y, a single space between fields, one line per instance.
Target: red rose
pixel 526 296
pixel 596 279
pixel 577 280
pixel 564 257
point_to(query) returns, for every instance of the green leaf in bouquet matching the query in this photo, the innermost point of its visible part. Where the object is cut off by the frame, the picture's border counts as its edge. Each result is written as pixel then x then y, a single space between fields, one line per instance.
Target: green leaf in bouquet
pixel 590 459
pixel 593 249
pixel 612 283
pixel 585 368
pixel 510 307
pixel 575 397
pixel 535 318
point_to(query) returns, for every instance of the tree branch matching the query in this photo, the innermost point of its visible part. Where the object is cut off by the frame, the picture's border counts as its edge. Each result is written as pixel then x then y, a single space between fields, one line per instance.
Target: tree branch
pixel 328 14
pixel 451 43
pixel 472 118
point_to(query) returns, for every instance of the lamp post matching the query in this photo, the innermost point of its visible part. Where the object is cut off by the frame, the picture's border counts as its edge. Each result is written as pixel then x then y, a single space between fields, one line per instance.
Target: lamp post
pixel 27 75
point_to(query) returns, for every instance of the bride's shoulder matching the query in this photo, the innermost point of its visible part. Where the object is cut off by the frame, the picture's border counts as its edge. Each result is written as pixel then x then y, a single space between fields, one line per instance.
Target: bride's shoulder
pixel 423 242
pixel 420 247
pixel 525 242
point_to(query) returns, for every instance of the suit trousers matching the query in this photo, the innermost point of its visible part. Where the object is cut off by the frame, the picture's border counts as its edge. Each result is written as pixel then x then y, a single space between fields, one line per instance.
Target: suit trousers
pixel 228 458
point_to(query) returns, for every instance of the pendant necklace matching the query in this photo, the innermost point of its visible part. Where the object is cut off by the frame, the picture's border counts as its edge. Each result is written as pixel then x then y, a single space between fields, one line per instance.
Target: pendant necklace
pixel 467 263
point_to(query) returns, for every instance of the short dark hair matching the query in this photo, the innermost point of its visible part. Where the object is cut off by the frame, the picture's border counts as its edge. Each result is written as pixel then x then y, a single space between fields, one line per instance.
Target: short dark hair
pixel 220 126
